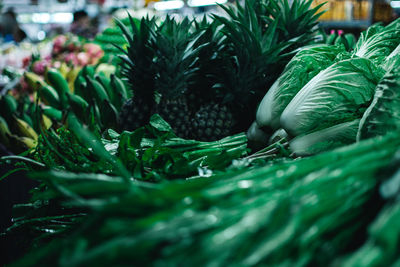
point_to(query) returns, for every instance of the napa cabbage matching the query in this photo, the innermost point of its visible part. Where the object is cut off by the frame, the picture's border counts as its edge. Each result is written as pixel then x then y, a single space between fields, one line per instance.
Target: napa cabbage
pixel 307 63
pixel 383 115
pixel 325 139
pixel 377 42
pixel 391 60
pixel 337 94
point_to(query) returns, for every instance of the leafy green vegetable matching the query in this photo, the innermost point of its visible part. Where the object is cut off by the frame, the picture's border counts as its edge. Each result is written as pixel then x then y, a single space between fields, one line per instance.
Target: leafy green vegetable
pixel 161 155
pixel 152 153
pixel 337 94
pixel 307 63
pixel 304 212
pixel 381 249
pixel 390 188
pixel 382 246
pixel 383 115
pixel 377 42
pixel 62 150
pixel 325 139
pixel 392 60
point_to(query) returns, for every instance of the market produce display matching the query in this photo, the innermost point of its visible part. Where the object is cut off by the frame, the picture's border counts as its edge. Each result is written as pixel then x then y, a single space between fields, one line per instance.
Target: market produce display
pixel 149 163
pixel 57 82
pixel 325 100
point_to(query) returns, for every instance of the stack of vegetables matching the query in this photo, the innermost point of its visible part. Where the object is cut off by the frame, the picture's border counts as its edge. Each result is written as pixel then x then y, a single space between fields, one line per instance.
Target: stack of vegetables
pixel 205 77
pixel 147 196
pixel 92 94
pixel 302 212
pixel 57 82
pixel 109 39
pixel 324 91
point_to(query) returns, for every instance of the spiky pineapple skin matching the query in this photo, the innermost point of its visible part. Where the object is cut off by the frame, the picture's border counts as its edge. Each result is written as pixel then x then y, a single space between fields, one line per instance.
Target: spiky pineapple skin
pixel 135 113
pixel 212 122
pixel 137 69
pixel 177 113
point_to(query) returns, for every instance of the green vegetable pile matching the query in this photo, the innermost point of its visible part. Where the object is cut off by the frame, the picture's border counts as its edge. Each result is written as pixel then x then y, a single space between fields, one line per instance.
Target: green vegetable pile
pixel 151 153
pixel 320 98
pixel 383 115
pixel 296 212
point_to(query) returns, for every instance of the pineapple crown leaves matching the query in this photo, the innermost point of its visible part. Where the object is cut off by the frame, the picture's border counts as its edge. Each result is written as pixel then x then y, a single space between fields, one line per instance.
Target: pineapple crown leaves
pixel 203 24
pixel 261 34
pixel 176 56
pixel 212 51
pixel 247 14
pixel 138 58
pixel 209 36
pixel 254 48
pixel 249 38
pixel 175 33
pixel 296 20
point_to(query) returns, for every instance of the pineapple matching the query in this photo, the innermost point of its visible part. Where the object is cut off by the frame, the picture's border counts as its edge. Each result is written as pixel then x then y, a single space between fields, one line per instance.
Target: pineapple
pixel 297 21
pixel 211 52
pixel 212 119
pixel 245 54
pixel 210 81
pixel 175 62
pixel 257 37
pixel 176 112
pixel 138 69
pixel 135 113
pixel 212 122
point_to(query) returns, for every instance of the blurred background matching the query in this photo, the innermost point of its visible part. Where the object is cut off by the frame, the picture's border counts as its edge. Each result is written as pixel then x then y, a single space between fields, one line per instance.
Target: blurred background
pixel 40 19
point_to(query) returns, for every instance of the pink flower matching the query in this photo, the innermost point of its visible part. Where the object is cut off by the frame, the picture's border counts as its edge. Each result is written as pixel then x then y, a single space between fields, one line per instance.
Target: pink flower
pixel 99 54
pixel 93 50
pixel 83 58
pixel 59 41
pixel 71 58
pixel 57 64
pixel 39 67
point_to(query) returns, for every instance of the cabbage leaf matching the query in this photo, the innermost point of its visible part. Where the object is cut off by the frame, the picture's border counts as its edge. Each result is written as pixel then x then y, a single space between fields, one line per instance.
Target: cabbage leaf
pixel 307 63
pixel 383 115
pixel 377 42
pixel 391 60
pixel 337 94
pixel 325 139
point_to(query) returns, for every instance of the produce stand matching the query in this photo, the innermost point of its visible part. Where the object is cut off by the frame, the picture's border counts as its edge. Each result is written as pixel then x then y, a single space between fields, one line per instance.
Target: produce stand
pixel 240 136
